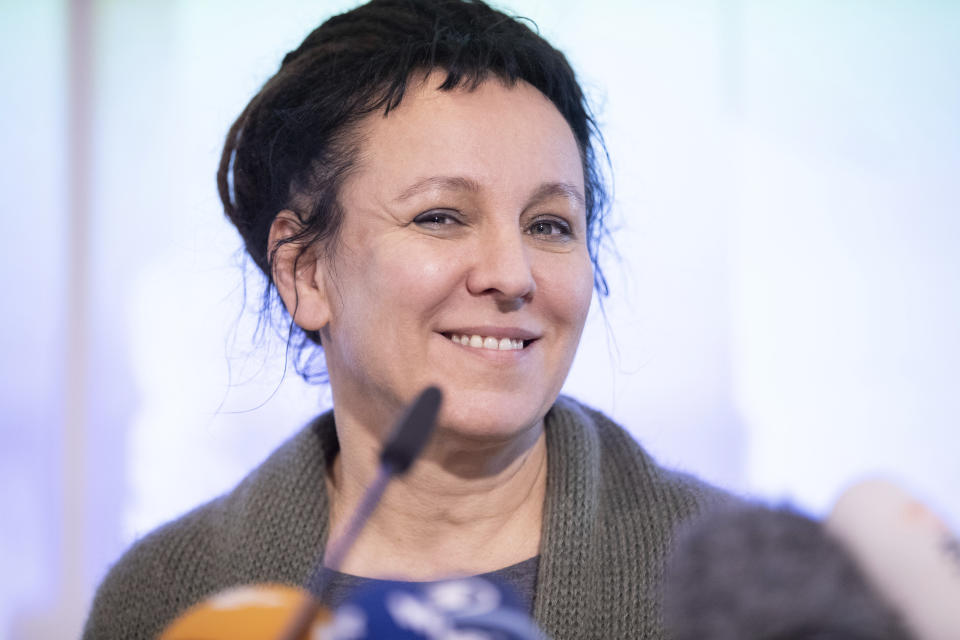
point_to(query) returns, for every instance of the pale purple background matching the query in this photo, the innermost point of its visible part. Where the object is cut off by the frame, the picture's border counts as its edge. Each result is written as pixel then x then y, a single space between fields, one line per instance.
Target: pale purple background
pixel 784 317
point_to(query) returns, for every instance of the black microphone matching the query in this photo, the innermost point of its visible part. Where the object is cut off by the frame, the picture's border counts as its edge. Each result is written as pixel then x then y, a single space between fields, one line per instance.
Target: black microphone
pixel 406 441
pixel 412 431
pixel 755 573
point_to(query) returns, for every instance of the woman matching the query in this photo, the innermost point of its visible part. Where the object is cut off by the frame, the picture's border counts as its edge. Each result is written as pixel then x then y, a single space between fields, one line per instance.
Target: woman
pixel 418 182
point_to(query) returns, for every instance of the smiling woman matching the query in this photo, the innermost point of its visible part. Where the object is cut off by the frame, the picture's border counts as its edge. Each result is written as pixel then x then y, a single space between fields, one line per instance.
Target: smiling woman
pixel 418 184
pixel 464 232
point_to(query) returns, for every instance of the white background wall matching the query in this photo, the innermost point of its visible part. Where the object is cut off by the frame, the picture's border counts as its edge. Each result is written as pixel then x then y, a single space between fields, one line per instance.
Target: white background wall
pixel 783 316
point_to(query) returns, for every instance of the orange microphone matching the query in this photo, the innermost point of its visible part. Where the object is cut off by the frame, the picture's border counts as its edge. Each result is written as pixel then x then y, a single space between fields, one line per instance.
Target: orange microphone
pixel 254 612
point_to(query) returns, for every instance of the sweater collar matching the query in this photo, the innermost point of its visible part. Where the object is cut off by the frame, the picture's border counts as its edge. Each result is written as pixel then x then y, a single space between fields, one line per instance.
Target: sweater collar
pixel 567 551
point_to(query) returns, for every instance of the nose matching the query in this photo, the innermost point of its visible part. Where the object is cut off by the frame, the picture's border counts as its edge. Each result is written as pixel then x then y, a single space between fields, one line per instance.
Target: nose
pixel 502 270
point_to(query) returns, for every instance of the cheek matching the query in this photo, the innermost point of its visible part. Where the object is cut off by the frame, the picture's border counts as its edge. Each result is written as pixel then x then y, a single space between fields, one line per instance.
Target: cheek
pixel 408 282
pixel 566 285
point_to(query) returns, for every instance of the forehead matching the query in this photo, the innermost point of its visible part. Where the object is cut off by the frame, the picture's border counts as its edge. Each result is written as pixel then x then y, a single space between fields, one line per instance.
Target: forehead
pixel 503 138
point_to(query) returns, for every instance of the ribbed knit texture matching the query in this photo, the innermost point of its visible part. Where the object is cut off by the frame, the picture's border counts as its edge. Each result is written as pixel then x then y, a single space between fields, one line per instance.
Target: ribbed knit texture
pixel 608 519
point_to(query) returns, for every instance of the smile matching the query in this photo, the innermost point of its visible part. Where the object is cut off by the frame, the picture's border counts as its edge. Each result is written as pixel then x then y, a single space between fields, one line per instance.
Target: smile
pixel 488 342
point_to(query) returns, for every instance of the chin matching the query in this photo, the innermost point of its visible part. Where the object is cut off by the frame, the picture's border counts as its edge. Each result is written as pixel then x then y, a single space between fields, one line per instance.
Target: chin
pixel 490 416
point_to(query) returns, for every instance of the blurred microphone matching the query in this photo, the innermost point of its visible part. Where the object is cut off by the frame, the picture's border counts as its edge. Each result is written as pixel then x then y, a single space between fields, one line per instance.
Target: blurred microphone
pixel 907 552
pixel 462 609
pixel 754 573
pixel 468 608
pixel 249 612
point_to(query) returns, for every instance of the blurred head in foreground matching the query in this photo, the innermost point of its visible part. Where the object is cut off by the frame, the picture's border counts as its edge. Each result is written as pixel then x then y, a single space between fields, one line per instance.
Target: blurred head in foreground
pixel 764 574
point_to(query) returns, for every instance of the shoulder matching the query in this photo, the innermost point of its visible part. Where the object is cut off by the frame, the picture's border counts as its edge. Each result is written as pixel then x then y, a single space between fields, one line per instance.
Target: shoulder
pixel 269 528
pixel 610 514
pixel 628 476
pixel 158 577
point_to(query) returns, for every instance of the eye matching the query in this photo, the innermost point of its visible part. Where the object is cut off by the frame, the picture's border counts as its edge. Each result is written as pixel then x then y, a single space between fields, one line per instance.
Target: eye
pixel 436 219
pixel 552 228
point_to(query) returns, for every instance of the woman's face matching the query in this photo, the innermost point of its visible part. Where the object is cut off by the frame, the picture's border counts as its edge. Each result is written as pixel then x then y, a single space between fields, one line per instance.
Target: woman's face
pixel 462 260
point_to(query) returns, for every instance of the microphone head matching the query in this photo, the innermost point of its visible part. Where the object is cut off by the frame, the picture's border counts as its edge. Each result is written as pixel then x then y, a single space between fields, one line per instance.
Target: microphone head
pixel 251 612
pixel 906 550
pixel 412 431
pixel 473 608
pixel 758 573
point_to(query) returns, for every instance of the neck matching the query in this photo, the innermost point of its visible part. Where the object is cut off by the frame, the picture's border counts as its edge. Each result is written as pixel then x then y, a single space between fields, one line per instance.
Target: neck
pixel 469 505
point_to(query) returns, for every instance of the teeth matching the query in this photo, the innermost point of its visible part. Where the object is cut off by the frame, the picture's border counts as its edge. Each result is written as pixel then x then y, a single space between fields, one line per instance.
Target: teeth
pixel 488 342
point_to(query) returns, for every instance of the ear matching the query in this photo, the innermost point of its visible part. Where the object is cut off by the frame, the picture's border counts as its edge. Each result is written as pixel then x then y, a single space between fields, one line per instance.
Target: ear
pixel 297 274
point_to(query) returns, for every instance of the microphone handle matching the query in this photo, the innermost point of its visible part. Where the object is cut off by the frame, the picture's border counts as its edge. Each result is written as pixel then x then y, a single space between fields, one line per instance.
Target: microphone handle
pixel 336 554
pixel 337 551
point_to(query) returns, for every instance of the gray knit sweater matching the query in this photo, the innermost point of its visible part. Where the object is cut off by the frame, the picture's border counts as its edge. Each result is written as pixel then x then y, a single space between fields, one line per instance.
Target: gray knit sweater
pixel 608 518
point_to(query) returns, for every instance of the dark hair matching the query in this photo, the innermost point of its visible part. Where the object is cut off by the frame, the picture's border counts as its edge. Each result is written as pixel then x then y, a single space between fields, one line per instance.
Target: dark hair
pixel 292 146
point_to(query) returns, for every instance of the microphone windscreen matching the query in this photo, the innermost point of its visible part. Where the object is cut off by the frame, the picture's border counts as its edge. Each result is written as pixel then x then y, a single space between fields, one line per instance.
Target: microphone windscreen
pixel 752 573
pixel 473 608
pixel 412 431
pixel 907 551
pixel 252 612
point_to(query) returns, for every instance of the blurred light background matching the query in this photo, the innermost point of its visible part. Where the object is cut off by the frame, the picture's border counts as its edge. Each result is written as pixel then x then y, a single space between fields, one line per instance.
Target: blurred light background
pixel 784 312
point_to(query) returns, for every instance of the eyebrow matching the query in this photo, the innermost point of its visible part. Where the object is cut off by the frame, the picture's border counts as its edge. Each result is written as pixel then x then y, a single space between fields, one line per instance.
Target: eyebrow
pixel 447 183
pixel 460 183
pixel 555 189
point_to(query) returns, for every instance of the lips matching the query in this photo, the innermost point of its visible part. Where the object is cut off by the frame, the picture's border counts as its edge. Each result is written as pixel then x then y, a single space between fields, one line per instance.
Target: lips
pixel 487 342
pixel 492 339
